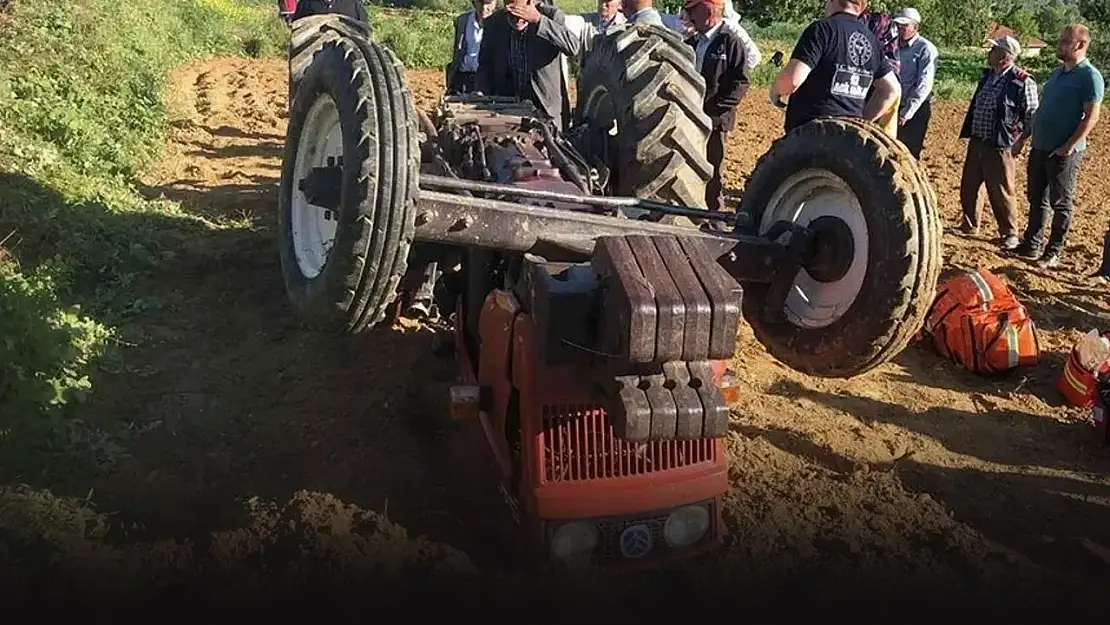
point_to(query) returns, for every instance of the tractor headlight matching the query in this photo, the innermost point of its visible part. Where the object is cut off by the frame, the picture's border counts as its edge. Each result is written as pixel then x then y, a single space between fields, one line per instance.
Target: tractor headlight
pixel 574 539
pixel 686 526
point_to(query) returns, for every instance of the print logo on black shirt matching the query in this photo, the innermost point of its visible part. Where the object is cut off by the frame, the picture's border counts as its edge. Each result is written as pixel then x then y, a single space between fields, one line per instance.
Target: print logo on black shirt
pixel 854 80
pixel 859 49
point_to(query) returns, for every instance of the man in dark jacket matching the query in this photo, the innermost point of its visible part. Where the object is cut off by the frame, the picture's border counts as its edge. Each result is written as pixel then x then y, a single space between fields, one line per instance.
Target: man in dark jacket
pixel 721 62
pixel 469 29
pixel 351 8
pixel 520 57
pixel 998 122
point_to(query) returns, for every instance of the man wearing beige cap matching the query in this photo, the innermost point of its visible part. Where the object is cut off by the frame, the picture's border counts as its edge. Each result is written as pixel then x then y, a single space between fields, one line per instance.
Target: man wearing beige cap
pixel 720 58
pixel 998 122
pixel 917 70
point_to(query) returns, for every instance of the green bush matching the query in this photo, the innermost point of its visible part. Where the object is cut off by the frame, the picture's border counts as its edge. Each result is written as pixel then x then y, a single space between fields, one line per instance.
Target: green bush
pixel 420 39
pixel 46 351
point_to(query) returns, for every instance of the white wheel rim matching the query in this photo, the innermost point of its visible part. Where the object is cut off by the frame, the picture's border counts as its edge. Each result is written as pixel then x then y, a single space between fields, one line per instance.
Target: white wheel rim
pixel 313 226
pixel 802 198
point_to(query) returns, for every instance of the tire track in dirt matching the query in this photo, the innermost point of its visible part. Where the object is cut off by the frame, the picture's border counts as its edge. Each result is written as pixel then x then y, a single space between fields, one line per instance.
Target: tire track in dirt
pixel 917 471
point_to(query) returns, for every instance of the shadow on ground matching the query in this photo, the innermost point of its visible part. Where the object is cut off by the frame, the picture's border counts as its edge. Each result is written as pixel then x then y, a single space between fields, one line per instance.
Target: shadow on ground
pixel 922 365
pixel 989 500
pixel 233 397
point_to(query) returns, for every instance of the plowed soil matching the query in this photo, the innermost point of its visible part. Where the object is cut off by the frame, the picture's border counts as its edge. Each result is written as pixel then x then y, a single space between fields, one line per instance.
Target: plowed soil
pixel 917 473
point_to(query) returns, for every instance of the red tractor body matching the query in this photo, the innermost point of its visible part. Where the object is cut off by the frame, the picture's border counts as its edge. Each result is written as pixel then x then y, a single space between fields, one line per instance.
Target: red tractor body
pixel 560 461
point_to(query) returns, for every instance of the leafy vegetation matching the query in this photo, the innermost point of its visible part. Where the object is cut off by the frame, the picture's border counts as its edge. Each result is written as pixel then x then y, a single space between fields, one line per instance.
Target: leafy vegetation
pixel 80 115
pixel 952 24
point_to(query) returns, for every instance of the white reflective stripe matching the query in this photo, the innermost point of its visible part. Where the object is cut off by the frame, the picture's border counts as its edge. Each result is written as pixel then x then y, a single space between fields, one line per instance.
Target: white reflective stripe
pixel 984 288
pixel 1012 345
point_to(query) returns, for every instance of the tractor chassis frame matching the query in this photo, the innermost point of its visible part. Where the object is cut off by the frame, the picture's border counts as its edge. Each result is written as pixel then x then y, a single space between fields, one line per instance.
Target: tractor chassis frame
pixel 449 213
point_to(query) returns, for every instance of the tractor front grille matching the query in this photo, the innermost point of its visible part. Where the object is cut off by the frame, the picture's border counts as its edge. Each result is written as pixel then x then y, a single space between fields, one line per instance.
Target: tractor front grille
pixel 578 444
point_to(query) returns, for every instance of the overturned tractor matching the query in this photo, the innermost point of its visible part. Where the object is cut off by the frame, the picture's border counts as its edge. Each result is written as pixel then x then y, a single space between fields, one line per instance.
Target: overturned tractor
pixel 592 316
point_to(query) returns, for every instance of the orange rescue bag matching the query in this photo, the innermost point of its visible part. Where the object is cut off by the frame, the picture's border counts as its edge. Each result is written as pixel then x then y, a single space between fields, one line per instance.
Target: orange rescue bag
pixel 977 322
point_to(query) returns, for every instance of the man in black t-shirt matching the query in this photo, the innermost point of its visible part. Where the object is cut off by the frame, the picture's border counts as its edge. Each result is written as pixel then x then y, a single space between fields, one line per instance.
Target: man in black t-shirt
pixel 835 63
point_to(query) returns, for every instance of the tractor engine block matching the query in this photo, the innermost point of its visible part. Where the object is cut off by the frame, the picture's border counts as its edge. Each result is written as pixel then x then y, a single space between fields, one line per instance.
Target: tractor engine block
pixel 491 140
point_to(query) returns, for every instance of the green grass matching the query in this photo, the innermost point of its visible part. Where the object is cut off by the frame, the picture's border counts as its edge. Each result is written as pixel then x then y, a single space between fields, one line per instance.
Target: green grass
pixel 420 39
pixel 80 114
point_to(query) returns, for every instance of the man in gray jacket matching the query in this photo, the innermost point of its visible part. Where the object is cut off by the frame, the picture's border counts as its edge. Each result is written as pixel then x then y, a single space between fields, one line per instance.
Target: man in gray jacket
pixel 585 27
pixel 641 12
pixel 608 15
pixel 520 57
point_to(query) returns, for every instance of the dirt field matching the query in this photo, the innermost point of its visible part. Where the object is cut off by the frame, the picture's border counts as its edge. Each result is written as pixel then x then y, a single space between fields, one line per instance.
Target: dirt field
pixel 917 474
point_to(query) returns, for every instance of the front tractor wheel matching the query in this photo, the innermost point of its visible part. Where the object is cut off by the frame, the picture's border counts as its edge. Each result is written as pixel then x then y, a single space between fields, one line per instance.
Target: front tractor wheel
pixel 349 183
pixel 874 216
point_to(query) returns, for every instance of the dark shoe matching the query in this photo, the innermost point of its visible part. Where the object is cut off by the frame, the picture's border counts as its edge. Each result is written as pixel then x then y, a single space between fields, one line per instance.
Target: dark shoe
pixel 1010 242
pixel 1025 250
pixel 1049 261
pixel 964 231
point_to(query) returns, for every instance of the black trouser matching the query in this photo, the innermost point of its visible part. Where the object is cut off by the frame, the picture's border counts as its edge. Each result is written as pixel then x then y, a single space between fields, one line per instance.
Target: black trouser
pixel 913 133
pixel 462 82
pixel 1051 186
pixel 715 153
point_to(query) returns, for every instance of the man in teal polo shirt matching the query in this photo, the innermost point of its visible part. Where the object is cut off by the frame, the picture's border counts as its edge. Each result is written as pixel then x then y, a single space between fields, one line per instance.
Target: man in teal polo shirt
pixel 1069 109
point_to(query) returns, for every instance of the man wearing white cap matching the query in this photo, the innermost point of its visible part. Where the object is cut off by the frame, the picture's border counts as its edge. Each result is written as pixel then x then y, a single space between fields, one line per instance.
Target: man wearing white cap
pixel 917 72
pixel 997 125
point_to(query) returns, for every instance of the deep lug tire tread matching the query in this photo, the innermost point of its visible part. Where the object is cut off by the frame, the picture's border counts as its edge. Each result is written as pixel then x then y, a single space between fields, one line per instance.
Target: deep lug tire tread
pixel 647 74
pixel 309 34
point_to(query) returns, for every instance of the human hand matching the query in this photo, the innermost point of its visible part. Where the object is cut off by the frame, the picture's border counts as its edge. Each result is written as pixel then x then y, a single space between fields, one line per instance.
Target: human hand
pixel 901 121
pixel 524 10
pixel 777 100
pixel 1062 151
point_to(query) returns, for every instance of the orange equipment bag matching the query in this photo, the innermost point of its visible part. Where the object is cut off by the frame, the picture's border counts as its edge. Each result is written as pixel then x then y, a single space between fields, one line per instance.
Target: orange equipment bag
pixel 1077 383
pixel 977 322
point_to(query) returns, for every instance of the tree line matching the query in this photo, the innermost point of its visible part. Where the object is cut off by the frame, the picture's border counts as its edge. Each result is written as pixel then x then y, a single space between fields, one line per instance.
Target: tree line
pixel 953 23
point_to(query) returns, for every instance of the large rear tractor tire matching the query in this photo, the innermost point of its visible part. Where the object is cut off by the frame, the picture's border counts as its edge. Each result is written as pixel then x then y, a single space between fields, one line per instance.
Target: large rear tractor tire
pixel 308 37
pixel 352 118
pixel 643 80
pixel 847 172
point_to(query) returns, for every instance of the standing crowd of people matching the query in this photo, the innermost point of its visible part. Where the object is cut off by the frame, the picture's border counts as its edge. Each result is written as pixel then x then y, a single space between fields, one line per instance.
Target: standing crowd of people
pixel 852 63
pixel 539 38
